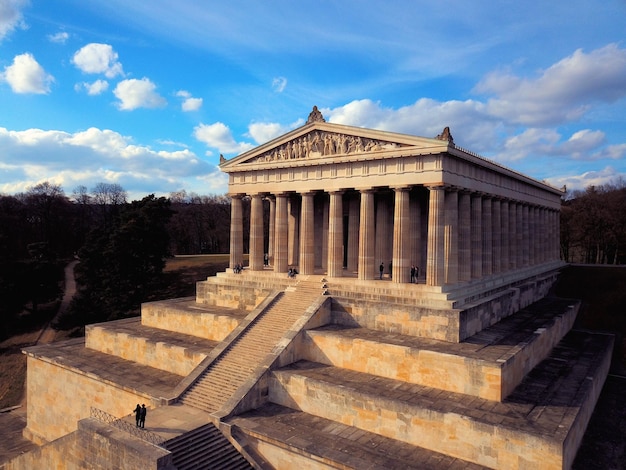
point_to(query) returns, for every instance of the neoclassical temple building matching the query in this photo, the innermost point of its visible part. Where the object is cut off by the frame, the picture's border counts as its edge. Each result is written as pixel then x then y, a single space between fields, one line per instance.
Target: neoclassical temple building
pixel 343 201
pixel 418 333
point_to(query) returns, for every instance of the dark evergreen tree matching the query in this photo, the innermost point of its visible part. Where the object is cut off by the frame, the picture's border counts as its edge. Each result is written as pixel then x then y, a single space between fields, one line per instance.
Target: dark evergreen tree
pixel 122 262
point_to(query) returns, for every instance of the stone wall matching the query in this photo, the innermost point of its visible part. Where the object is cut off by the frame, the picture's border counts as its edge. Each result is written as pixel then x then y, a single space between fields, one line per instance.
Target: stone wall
pixel 57 398
pixel 173 315
pixel 160 355
pixel 95 446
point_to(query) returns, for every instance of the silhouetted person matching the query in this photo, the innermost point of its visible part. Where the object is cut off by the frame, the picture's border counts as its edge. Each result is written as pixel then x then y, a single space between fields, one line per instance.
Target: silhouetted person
pixel 142 416
pixel 381 268
pixel 137 412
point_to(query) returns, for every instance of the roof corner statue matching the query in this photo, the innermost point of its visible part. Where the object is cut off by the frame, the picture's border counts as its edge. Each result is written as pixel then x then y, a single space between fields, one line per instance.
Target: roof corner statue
pixel 445 135
pixel 315 116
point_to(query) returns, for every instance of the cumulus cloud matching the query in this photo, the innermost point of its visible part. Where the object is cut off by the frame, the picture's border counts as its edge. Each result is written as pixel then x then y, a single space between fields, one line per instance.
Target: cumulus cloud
pixel 59 38
pixel 134 93
pixel 263 132
pixel 189 102
pixel 11 16
pixel 562 93
pixel 95 155
pixel 219 136
pixel 25 75
pixel 98 58
pixel 279 84
pixel 583 180
pixel 95 88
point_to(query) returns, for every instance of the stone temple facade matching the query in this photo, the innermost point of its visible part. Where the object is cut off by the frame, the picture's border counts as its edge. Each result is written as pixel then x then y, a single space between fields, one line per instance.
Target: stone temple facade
pixel 418 332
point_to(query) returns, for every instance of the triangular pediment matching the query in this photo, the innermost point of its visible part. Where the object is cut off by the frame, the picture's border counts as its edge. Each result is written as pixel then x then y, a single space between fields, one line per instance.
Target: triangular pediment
pixel 322 140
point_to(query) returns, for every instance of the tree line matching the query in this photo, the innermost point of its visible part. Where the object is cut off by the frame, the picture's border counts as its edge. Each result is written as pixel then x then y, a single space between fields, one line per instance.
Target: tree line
pixel 122 247
pixel 593 225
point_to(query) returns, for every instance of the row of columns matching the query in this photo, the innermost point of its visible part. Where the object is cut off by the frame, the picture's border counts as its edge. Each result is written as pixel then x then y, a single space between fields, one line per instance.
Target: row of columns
pixel 469 235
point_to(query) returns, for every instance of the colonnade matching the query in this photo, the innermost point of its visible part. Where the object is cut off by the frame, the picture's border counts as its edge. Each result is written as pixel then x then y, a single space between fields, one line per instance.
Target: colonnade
pixel 452 234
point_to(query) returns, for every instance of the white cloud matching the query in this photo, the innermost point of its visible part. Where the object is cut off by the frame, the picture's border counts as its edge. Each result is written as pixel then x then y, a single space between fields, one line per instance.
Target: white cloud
pixel 562 93
pixel 11 16
pixel 25 75
pixel 581 181
pixel 98 58
pixel 96 88
pixel 279 84
pixel 219 136
pixel 263 132
pixel 60 38
pixel 134 93
pixel 96 155
pixel 189 103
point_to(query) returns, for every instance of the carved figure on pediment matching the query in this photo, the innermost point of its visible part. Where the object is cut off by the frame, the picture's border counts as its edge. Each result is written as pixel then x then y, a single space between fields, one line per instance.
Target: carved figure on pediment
pixel 315 116
pixel 329 144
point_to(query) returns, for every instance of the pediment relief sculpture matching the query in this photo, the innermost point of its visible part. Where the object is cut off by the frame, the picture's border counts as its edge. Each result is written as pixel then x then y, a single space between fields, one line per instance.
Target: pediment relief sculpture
pixel 322 144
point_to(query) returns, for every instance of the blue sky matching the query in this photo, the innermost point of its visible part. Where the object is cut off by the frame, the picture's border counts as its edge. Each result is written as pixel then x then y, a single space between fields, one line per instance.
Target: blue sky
pixel 149 94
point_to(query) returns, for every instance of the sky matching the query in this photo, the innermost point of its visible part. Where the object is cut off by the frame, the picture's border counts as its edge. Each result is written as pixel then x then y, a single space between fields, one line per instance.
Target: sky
pixel 148 94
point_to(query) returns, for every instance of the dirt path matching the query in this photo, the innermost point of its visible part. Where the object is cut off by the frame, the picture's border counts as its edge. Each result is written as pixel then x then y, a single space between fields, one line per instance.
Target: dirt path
pixel 48 333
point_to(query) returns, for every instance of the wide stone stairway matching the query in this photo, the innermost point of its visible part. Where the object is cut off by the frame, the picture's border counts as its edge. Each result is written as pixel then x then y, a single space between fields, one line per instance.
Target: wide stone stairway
pixel 233 368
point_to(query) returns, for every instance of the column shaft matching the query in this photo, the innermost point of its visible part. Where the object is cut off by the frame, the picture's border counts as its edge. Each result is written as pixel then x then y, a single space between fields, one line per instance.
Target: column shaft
pixel 465 237
pixel 335 235
pixel 505 235
pixel 353 234
pixel 487 238
pixel 236 231
pixel 307 235
pixel 256 233
pixel 451 237
pixel 496 220
pixel 401 264
pixel 435 258
pixel 272 230
pixel 477 237
pixel 366 236
pixel 281 236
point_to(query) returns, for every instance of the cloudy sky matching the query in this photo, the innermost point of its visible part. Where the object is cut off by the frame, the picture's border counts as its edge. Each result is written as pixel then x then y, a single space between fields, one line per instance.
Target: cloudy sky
pixel 148 94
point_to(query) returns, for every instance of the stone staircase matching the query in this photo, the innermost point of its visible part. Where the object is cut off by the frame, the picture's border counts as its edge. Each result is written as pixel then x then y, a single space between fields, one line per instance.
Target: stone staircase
pixel 205 447
pixel 229 371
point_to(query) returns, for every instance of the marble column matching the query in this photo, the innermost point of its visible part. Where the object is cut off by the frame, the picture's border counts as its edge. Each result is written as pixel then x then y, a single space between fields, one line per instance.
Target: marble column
pixel 415 218
pixel 324 238
pixel 525 236
pixel 272 230
pixel 465 237
pixel 281 236
pixel 293 217
pixel 256 233
pixel 519 236
pixel 435 259
pixel 487 237
pixel 451 237
pixel 353 233
pixel 513 246
pixel 505 236
pixel 477 236
pixel 367 234
pixel 307 234
pixel 236 231
pixel 335 235
pixel 496 219
pixel 401 264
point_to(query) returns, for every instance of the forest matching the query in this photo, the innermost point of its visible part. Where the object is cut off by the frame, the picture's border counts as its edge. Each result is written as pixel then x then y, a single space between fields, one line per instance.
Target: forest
pixel 122 246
